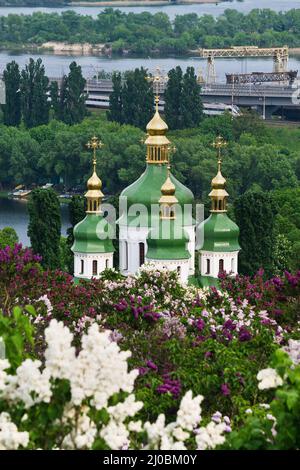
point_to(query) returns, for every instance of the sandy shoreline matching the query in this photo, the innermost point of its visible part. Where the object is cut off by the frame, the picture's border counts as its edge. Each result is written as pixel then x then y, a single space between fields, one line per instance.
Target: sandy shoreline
pixel 137 3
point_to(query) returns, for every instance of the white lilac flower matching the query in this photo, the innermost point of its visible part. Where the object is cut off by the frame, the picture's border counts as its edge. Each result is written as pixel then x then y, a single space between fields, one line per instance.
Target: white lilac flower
pixel 269 378
pixel 293 350
pixel 210 436
pixel 189 413
pixel 10 437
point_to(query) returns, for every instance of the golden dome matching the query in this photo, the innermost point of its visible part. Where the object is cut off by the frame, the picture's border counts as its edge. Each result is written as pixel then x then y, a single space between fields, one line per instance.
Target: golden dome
pixel 94 182
pixel 157 126
pixel 218 182
pixel 168 188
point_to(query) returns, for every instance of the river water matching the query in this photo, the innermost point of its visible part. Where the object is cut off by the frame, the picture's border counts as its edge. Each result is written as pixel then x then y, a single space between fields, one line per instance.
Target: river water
pixel 13 213
pixel 171 10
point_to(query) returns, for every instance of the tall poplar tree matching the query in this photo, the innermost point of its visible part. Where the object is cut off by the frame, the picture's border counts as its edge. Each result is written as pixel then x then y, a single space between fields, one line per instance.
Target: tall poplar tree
pixel 73 96
pixel 44 229
pixel 34 94
pixel 255 215
pixel 137 98
pixel 183 104
pixel 172 97
pixel 115 112
pixel 190 102
pixel 12 106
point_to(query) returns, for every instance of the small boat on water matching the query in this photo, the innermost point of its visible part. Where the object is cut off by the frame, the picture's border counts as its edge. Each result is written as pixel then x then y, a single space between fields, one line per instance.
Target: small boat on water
pixel 21 193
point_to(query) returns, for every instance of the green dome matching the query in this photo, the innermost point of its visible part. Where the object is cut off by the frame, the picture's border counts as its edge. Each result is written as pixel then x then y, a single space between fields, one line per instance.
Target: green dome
pixel 147 190
pixel 87 236
pixel 220 233
pixel 172 247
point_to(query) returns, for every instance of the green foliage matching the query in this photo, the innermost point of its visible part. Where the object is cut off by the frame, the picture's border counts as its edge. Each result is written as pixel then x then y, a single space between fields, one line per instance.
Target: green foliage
pixel 33 90
pixel 254 212
pixel 8 237
pixel 45 226
pixel 12 107
pixel 17 332
pixel 131 102
pixel 183 105
pixel 71 104
pixel 146 33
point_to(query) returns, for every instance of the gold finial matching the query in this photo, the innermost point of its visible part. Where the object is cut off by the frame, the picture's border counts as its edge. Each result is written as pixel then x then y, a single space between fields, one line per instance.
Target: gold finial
pixel 94 144
pixel 218 193
pixel 94 194
pixel 218 144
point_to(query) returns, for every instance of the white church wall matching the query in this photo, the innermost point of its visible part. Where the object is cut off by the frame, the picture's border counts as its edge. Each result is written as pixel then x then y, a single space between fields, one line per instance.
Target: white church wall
pixel 83 264
pixel 230 263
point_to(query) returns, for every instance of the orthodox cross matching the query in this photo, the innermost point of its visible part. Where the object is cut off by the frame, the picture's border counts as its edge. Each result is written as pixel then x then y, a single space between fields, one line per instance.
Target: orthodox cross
pixel 94 144
pixel 218 144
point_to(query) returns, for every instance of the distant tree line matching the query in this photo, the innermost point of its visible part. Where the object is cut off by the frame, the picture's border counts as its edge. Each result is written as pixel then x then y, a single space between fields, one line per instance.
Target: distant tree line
pixel 147 33
pixel 30 97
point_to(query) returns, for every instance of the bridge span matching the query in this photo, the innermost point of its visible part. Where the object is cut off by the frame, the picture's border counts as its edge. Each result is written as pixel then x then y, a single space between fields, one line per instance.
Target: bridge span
pixel 267 99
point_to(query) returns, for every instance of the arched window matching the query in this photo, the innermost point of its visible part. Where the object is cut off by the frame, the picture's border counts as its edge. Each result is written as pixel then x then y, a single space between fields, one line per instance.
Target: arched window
pixel 95 205
pixel 106 263
pixel 142 253
pixel 207 266
pixel 95 267
pixel 178 270
pixel 221 265
pixel 125 256
pixel 81 266
pixel 220 205
pixel 232 265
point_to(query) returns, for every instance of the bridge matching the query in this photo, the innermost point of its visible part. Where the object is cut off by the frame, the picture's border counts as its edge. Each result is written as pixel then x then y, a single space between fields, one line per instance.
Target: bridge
pixel 267 99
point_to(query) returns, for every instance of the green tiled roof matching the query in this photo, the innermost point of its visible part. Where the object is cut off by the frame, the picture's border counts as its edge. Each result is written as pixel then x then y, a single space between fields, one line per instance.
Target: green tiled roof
pixel 219 233
pixel 168 241
pixel 90 235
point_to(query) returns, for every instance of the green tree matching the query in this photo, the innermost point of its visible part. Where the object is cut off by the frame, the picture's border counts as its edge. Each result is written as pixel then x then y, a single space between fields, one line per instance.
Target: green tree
pixel 190 100
pixel 45 226
pixel 115 112
pixel 72 96
pixel 54 95
pixel 255 216
pixel 77 207
pixel 137 98
pixel 172 97
pixel 12 107
pixel 34 97
pixel 8 237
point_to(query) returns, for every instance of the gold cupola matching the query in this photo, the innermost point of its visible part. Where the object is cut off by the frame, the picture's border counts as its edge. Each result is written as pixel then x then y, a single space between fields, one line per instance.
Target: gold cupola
pixel 157 143
pixel 168 199
pixel 94 194
pixel 218 193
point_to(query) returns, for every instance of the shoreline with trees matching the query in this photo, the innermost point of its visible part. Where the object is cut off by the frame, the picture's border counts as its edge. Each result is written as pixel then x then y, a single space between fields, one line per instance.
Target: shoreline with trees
pixel 153 34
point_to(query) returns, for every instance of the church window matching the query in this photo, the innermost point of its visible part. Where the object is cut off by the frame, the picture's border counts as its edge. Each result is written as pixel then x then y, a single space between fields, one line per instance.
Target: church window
pixel 208 266
pixel 126 255
pixel 220 205
pixel 81 266
pixel 232 265
pixel 142 253
pixel 221 266
pixel 106 263
pixel 95 267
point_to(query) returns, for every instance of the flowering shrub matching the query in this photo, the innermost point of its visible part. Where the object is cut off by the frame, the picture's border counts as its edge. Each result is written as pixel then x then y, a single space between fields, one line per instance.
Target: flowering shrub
pixel 85 401
pixel 276 425
pixel 213 342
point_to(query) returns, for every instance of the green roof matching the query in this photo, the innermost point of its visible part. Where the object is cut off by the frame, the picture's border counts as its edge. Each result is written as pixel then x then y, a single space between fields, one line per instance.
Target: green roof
pixel 147 190
pixel 91 235
pixel 218 233
pixel 167 242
